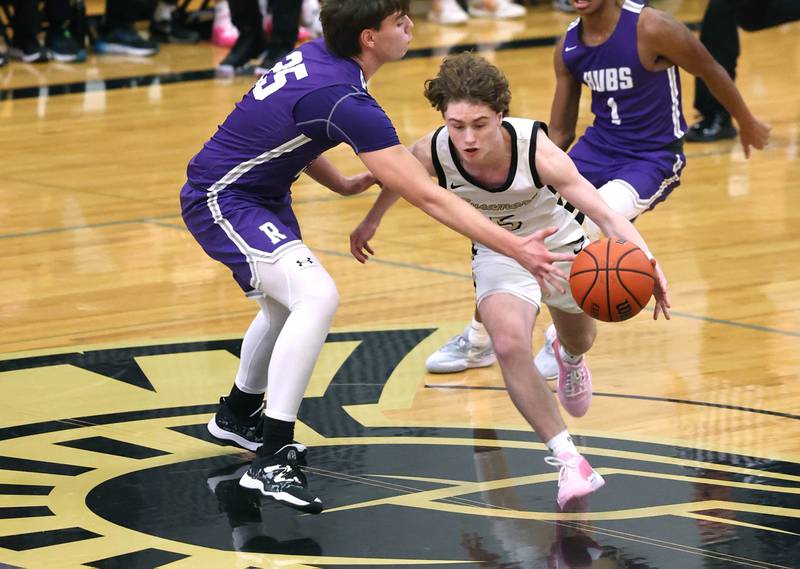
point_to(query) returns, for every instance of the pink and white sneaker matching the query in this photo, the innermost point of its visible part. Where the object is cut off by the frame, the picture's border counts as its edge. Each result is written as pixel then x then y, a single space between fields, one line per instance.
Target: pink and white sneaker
pixel 576 477
pixel 574 384
pixel 223 32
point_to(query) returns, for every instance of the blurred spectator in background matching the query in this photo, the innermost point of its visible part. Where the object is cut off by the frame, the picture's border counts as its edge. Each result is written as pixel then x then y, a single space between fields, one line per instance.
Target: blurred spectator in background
pixel 309 18
pixel 563 5
pixel 118 33
pixel 168 24
pixel 225 34
pixel 26 25
pixel 251 42
pixel 720 35
pixel 450 12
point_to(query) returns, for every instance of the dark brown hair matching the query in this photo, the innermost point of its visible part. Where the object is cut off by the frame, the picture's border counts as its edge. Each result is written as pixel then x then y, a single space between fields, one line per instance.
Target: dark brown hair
pixel 468 77
pixel 344 20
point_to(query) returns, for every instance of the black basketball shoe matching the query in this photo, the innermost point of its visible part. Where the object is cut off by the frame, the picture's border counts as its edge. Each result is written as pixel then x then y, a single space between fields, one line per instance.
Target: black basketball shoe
pixel 279 477
pixel 271 56
pixel 249 45
pixel 63 47
pixel 27 50
pixel 248 433
pixel 226 426
pixel 711 129
pixel 124 40
pixel 173 30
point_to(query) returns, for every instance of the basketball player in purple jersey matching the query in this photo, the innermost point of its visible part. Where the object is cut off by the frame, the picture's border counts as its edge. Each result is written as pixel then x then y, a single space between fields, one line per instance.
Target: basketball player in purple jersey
pixel 628 56
pixel 237 204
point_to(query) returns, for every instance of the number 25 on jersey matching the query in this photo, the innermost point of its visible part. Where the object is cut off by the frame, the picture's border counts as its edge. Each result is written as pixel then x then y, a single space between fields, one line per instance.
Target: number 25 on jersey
pixel 292 65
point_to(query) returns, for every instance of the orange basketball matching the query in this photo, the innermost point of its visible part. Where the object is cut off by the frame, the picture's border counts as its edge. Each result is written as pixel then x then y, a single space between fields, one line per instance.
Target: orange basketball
pixel 612 280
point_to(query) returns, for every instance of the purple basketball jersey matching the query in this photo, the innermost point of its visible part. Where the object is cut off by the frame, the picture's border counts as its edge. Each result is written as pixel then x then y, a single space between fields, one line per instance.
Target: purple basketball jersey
pixel 633 107
pixel 237 200
pixel 259 149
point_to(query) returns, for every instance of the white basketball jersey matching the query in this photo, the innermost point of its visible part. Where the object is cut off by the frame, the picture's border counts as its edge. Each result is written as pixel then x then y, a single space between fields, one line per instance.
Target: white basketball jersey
pixel 522 204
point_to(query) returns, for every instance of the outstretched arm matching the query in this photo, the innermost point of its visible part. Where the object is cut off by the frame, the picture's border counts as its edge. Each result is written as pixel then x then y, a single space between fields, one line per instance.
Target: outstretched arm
pixel 564 110
pixel 662 37
pixel 398 170
pixel 325 173
pixel 359 238
pixel 556 169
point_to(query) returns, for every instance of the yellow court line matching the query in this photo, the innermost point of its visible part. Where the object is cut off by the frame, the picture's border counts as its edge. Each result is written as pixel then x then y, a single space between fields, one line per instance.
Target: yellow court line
pixel 707 481
pixel 726 521
pixel 587 451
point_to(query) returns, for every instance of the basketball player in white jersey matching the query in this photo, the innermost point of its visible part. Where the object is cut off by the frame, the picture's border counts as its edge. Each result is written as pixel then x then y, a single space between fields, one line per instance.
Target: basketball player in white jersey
pixel 503 167
pixel 628 56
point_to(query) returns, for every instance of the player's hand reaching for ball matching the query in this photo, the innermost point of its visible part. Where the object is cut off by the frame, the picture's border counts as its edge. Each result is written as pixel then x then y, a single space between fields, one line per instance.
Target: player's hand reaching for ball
pixel 539 261
pixel 660 292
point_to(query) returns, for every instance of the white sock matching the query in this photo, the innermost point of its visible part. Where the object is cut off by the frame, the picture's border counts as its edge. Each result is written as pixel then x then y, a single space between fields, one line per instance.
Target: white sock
pixel 562 443
pixel 477 334
pixel 569 358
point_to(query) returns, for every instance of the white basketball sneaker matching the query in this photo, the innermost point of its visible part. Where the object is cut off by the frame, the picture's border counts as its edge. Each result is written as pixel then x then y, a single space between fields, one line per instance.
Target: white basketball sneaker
pixel 545 360
pixel 449 13
pixel 503 10
pixel 223 32
pixel 459 354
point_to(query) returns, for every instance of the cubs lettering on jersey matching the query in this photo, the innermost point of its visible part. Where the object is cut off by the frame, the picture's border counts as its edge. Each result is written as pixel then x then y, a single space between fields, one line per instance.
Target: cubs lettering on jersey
pixel 612 79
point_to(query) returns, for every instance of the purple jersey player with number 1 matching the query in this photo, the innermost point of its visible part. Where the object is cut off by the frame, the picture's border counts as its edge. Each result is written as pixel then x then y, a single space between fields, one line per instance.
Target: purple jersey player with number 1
pixel 634 150
pixel 237 204
pixel 628 56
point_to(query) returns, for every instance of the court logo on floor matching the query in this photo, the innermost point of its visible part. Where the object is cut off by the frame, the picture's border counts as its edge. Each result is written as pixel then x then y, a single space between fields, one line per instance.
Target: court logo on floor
pixel 105 461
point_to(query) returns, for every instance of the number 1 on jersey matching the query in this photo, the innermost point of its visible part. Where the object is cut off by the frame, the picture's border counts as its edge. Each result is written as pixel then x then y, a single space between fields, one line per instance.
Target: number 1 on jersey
pixel 614 111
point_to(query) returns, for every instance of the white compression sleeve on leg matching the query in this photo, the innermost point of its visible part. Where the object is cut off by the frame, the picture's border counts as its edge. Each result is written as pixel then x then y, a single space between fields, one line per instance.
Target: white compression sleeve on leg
pixel 257 346
pixel 301 284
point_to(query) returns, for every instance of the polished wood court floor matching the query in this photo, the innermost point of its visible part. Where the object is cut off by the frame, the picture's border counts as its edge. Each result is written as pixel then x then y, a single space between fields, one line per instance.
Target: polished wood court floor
pixel 118 334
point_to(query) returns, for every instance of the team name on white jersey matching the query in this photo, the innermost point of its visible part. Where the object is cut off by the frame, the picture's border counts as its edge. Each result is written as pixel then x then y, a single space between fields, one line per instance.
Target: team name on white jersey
pixel 610 79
